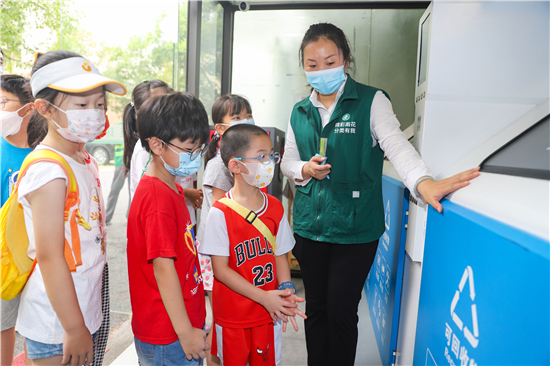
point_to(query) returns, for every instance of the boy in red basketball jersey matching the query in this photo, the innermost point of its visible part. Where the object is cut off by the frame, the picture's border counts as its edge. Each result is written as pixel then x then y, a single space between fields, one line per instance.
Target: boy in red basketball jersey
pixel 252 288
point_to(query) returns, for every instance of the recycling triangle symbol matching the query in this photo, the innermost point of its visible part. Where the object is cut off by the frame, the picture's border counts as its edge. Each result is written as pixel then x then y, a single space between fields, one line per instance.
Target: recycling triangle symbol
pixel 472 338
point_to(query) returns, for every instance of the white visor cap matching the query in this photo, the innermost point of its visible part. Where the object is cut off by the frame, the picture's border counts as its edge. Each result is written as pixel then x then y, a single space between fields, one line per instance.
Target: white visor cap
pixel 73 75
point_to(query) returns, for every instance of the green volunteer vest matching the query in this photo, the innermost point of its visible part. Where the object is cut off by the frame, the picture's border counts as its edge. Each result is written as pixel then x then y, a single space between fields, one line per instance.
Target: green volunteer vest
pixel 348 207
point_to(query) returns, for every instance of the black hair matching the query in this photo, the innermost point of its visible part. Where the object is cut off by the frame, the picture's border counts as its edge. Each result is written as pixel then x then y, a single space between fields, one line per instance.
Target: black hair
pixel 232 104
pixel 38 125
pixel 236 140
pixel 18 86
pixel 329 32
pixel 169 116
pixel 140 94
pixel 36 130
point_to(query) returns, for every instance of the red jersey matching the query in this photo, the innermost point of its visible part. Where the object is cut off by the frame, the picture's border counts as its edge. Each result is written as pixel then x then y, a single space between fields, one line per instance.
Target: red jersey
pixel 159 226
pixel 250 255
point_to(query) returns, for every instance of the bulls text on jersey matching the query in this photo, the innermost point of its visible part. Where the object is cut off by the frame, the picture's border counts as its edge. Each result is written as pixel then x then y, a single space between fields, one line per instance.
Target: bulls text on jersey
pixel 250 249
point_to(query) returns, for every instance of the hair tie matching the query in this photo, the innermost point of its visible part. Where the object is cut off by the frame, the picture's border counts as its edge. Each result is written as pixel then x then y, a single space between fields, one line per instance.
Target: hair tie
pixel 132 104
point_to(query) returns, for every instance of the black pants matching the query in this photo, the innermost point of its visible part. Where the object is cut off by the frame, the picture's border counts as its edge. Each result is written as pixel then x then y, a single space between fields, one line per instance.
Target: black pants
pixel 334 275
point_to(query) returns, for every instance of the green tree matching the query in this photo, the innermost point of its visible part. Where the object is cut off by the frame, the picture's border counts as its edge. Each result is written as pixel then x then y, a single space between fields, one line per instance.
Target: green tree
pixel 20 18
pixel 145 58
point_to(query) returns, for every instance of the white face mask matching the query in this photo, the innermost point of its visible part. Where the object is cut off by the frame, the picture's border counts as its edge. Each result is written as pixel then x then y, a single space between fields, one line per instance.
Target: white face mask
pixel 84 124
pixel 259 175
pixel 11 122
pixel 248 121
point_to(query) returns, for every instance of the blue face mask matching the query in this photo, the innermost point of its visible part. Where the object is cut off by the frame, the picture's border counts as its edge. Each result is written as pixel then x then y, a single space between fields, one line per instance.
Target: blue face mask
pixel 327 81
pixel 187 166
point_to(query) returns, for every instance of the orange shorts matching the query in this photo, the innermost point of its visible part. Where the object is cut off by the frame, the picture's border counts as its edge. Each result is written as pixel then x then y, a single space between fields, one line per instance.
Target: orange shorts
pixel 259 345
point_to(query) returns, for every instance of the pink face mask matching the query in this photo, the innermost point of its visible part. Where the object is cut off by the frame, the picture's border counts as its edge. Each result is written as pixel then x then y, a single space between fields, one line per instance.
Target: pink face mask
pixel 84 124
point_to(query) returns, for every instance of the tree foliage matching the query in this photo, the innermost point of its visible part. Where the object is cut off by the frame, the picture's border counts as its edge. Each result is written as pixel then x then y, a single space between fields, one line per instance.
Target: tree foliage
pixel 142 57
pixel 19 18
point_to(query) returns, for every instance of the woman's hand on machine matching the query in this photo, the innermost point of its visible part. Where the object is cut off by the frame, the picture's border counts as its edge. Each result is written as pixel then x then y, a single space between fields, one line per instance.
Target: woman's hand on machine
pixel 433 191
pixel 314 169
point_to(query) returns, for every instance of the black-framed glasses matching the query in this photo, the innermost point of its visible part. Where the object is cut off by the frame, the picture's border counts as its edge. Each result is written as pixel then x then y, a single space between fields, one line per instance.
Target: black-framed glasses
pixel 266 158
pixel 3 102
pixel 195 153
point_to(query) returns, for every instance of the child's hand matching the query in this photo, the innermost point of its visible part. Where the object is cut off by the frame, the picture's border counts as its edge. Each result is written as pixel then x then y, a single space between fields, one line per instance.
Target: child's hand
pixel 198 202
pixel 194 196
pixel 78 347
pixel 294 299
pixel 194 344
pixel 275 303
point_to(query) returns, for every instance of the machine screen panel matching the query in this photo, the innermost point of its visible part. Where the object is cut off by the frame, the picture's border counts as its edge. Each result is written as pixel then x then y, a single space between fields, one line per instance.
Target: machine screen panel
pixel 528 155
pixel 425 31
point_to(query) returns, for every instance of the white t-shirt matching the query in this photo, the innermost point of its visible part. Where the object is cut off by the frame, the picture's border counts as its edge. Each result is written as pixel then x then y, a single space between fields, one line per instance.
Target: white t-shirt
pixel 138 163
pixel 215 175
pixel 216 237
pixel 37 320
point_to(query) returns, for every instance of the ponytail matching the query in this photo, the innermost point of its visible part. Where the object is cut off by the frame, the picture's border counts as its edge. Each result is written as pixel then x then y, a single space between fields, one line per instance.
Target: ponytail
pixel 129 128
pixel 212 148
pixel 140 94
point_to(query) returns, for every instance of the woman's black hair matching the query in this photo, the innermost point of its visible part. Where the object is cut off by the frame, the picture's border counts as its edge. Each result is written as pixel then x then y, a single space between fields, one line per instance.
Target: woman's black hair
pixel 237 139
pixel 18 86
pixel 169 116
pixel 232 104
pixel 329 32
pixel 141 93
pixel 38 125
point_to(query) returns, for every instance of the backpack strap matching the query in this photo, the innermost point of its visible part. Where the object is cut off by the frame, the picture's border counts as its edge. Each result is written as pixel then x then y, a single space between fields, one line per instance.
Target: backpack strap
pixel 72 199
pixel 251 218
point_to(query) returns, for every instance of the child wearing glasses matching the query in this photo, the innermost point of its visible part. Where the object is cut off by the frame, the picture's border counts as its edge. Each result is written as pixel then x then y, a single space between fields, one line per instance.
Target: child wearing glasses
pixel 228 110
pixel 16 107
pixel 247 236
pixel 136 158
pixel 166 290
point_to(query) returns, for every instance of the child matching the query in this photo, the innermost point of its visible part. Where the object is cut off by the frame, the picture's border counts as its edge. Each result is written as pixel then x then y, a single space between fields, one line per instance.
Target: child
pixel 166 288
pixel 136 157
pixel 16 105
pixel 228 110
pixel 60 310
pixel 247 267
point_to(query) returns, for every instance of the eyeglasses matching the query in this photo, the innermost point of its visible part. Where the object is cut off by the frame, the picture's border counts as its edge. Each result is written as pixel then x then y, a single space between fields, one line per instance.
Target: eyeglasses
pixel 3 102
pixel 266 158
pixel 195 153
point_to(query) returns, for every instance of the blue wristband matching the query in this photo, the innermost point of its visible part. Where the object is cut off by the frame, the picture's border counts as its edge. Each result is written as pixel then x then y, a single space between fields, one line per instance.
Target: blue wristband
pixel 285 285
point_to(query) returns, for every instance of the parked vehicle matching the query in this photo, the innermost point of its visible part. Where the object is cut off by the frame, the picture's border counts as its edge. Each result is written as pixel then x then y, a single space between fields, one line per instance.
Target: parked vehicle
pixel 103 153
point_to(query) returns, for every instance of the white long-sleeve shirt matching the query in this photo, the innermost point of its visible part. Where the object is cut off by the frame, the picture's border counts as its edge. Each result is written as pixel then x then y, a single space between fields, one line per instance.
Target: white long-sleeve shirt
pixel 385 130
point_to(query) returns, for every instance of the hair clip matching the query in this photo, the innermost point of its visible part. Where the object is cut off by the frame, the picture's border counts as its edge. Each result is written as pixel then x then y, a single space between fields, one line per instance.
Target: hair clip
pixel 132 104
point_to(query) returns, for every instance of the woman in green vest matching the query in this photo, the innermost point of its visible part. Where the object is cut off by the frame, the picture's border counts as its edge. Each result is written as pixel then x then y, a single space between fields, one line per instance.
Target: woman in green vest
pixel 338 209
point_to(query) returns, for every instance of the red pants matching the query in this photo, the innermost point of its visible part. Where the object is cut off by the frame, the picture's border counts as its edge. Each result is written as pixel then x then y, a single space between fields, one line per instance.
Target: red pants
pixel 258 345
